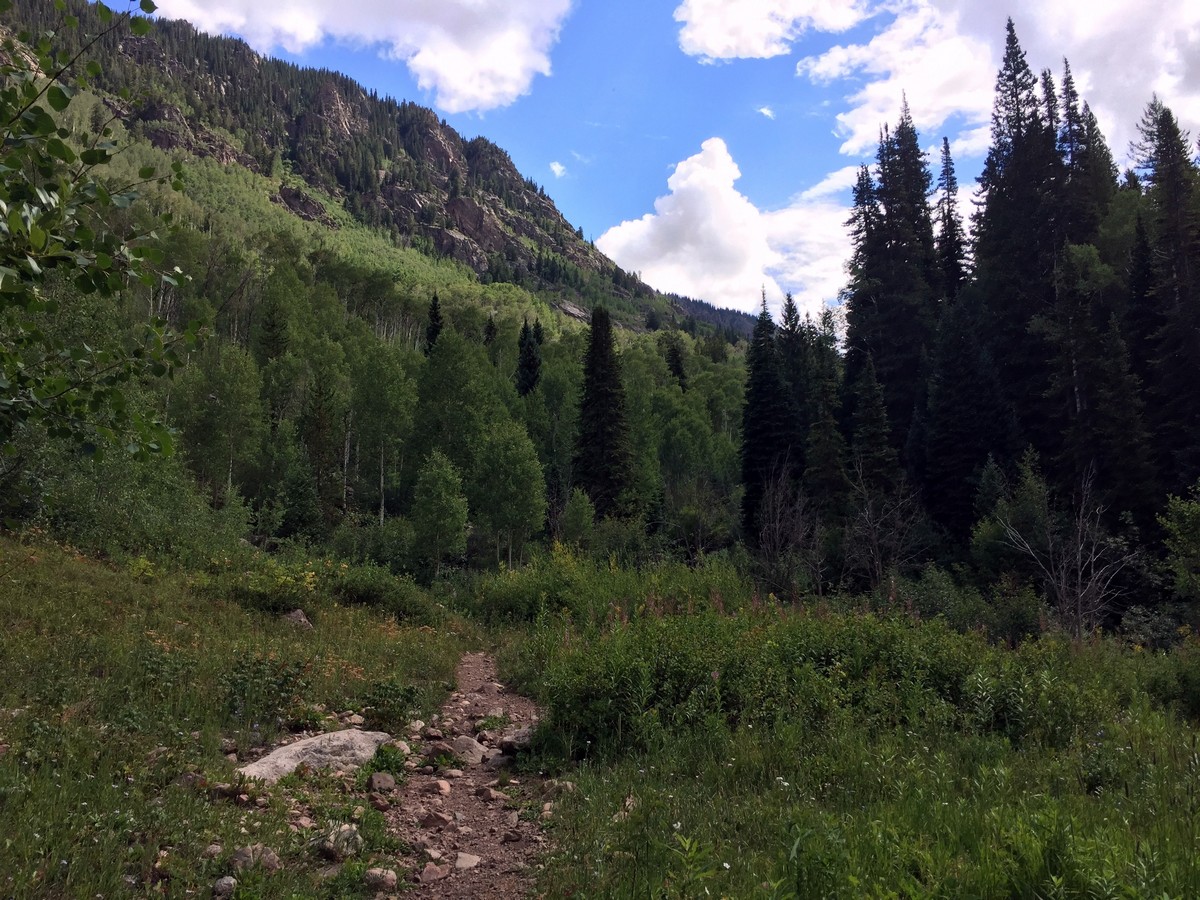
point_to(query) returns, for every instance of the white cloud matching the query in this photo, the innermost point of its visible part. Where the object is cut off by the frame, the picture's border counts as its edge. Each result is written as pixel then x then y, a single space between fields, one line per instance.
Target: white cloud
pixel 758 29
pixel 831 184
pixel 921 54
pixel 558 169
pixel 945 54
pixel 706 240
pixel 766 111
pixel 472 54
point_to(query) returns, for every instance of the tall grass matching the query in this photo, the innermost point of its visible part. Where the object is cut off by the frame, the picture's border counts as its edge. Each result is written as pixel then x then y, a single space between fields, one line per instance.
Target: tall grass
pixel 850 755
pixel 114 687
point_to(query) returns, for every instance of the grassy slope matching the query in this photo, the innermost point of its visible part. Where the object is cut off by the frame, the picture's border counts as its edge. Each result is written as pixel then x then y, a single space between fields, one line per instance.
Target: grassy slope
pixel 115 686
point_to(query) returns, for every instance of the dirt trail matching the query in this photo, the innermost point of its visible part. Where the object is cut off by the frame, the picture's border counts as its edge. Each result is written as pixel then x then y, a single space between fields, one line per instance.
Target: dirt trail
pixel 475 829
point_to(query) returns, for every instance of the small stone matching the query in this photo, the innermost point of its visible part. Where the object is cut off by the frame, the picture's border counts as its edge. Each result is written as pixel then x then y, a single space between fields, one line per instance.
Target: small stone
pixel 411 765
pixel 381 781
pixel 434 854
pixel 440 787
pixel 415 726
pixel 232 757
pixel 256 855
pixel 438 748
pixel 224 887
pixel 228 745
pixel 453 773
pixel 402 746
pixel 433 872
pixel 380 803
pixel 299 619
pixel 262 802
pixel 469 749
pixel 436 819
pixel 495 712
pixel 380 879
pixel 427 770
pixel 512 818
pixel 433 734
pixel 359 812
pixel 466 861
pixel 355 720
pixel 515 741
pixel 511 837
pixel 212 851
pixel 306 822
pixel 489 795
pixel 340 842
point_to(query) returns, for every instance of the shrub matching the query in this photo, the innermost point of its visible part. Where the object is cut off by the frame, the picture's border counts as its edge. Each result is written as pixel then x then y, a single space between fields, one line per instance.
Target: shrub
pixel 378 588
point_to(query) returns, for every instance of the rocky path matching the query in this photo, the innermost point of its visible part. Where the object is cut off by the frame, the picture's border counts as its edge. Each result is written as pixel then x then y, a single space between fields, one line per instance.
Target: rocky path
pixel 474 827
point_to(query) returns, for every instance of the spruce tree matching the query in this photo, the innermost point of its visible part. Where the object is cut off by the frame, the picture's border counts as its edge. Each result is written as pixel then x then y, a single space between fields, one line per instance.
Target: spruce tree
pixel 951 240
pixel 967 421
pixel 871 438
pixel 603 454
pixel 765 429
pixel 529 361
pixel 1017 240
pixel 434 326
pixel 1173 181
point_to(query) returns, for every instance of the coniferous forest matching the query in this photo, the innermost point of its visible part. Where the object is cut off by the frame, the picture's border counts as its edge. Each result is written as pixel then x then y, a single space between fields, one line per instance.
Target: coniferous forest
pixel 908 586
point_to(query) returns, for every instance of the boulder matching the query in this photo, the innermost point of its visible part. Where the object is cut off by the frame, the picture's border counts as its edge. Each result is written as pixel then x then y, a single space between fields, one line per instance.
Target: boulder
pixel 343 750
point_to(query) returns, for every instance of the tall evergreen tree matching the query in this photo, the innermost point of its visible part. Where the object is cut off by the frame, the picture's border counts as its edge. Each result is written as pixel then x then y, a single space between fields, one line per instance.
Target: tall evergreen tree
pixel 950 242
pixel 967 419
pixel 871 437
pixel 433 325
pixel 1017 240
pixel 796 341
pixel 1173 180
pixel 891 302
pixel 529 361
pixel 603 454
pixel 765 421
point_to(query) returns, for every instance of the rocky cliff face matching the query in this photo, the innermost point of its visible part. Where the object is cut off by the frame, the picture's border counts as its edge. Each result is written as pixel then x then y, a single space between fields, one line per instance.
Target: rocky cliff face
pixel 393 164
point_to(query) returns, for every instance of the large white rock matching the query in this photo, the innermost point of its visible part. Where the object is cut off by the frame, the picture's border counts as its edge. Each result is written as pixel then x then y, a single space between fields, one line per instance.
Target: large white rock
pixel 346 749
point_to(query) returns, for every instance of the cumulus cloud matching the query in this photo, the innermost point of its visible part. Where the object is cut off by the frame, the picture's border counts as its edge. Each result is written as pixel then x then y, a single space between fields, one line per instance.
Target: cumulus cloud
pixel 758 29
pixel 766 111
pixel 472 54
pixel 558 169
pixel 945 54
pixel 707 240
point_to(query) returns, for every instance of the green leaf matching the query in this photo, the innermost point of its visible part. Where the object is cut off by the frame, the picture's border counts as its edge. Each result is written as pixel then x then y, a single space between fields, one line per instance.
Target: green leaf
pixel 146 172
pixel 139 27
pixel 58 97
pixel 93 69
pixel 147 6
pixel 104 13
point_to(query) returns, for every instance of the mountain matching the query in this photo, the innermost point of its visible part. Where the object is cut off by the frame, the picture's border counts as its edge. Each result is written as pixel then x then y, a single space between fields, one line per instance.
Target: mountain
pixel 393 165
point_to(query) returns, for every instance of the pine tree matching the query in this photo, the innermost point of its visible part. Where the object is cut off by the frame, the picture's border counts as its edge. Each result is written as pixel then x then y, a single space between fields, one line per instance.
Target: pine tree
pixel 825 479
pixel 871 437
pixel 765 434
pixel 951 240
pixel 603 455
pixel 434 326
pixel 529 361
pixel 1017 240
pixel 1175 239
pixel 967 419
pixel 891 303
pixel 796 341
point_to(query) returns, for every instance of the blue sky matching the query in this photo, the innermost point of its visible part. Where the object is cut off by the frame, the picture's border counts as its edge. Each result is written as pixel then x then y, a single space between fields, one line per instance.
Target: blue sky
pixel 709 144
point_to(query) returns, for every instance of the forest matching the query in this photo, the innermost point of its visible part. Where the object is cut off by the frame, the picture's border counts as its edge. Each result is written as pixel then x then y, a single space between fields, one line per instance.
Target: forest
pixel 953 522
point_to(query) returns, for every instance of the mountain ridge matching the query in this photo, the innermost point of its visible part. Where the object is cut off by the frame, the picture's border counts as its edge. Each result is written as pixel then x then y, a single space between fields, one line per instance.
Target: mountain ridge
pixel 393 164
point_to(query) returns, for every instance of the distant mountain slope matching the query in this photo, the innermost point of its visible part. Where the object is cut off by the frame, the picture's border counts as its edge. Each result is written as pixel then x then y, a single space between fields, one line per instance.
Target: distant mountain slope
pixel 394 165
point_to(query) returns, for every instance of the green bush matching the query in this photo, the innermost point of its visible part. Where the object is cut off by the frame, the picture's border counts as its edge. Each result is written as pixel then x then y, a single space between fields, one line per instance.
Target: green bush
pixel 378 588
